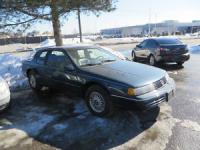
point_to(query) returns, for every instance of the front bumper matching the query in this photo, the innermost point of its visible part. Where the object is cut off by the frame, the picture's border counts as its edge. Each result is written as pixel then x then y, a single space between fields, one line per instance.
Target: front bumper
pixel 148 100
pixel 174 58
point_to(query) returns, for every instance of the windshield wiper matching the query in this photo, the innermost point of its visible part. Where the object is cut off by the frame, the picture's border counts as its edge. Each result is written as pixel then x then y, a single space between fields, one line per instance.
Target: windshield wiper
pixel 108 60
pixel 91 64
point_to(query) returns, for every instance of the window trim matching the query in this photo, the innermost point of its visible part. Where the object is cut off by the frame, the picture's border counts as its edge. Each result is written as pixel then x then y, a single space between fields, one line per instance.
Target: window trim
pixel 61 50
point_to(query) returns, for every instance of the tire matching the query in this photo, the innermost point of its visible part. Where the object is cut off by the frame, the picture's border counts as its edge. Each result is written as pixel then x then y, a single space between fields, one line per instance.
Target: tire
pixel 152 60
pixel 6 109
pixel 32 78
pixel 180 63
pixel 134 56
pixel 98 101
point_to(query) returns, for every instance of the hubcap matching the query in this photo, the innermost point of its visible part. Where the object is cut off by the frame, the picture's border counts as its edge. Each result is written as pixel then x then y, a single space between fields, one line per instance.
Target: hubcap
pixel 32 81
pixel 97 102
pixel 152 61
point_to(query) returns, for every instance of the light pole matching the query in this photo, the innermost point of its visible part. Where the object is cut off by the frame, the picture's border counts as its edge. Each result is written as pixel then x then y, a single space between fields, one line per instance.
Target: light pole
pixel 79 25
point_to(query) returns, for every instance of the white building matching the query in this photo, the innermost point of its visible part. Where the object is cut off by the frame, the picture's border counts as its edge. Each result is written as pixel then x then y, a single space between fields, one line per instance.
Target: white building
pixel 168 27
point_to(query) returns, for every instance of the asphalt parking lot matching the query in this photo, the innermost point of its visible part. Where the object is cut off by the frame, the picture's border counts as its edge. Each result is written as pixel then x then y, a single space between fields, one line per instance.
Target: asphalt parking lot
pixel 59 121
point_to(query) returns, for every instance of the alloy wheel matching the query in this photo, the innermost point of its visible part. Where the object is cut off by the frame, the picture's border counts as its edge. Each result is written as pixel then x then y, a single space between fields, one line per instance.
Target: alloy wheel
pixel 97 102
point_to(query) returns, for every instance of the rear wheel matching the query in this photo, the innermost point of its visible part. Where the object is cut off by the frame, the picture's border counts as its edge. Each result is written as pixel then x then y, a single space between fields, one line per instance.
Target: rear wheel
pixel 180 63
pixel 33 81
pixel 152 60
pixel 98 101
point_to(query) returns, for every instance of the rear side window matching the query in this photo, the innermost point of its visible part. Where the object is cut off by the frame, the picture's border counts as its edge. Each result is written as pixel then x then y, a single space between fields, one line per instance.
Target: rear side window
pixel 144 44
pixel 40 59
pixel 151 44
pixel 57 59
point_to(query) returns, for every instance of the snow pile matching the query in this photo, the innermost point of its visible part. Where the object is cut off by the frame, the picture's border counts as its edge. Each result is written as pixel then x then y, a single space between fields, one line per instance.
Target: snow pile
pixel 51 42
pixel 11 71
pixel 195 49
pixel 193 35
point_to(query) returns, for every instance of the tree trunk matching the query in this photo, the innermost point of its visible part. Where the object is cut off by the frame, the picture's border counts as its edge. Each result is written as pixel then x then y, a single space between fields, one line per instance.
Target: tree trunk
pixel 56 23
pixel 79 25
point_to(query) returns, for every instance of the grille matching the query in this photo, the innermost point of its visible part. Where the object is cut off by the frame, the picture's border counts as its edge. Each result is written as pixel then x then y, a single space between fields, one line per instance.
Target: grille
pixel 158 84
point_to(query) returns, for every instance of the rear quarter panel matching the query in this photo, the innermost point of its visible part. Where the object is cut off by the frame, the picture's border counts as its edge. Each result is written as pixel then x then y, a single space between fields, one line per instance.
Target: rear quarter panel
pixel 27 65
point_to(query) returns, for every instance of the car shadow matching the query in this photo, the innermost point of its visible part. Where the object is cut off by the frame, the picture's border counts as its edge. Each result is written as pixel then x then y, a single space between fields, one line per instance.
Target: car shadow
pixel 170 67
pixel 167 66
pixel 64 122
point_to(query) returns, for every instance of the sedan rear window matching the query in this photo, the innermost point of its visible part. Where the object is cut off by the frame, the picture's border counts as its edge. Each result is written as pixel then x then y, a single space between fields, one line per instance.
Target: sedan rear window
pixel 168 41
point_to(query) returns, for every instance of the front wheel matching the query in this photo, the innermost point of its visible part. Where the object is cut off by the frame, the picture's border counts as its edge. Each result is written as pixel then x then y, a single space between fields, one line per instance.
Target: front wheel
pixel 98 101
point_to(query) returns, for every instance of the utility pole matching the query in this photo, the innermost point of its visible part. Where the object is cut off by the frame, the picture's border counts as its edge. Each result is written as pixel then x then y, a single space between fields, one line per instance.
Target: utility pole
pixel 149 34
pixel 191 29
pixel 168 28
pixel 156 24
pixel 79 25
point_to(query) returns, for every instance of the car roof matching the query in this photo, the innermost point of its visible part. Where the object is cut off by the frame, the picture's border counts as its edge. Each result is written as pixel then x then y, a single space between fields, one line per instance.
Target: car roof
pixel 163 38
pixel 68 46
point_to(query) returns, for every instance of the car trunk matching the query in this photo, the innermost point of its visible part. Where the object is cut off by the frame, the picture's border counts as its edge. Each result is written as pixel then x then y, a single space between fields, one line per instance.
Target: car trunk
pixel 176 49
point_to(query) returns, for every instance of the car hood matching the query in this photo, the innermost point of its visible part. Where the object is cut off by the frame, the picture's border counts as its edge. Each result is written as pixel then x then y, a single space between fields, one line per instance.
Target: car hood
pixel 127 72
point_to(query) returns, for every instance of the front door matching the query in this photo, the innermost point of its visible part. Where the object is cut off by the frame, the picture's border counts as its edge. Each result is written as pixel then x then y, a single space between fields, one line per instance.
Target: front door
pixel 140 50
pixel 62 72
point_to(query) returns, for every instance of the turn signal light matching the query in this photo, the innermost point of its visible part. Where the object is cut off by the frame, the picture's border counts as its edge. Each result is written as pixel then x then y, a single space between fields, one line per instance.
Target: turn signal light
pixel 131 91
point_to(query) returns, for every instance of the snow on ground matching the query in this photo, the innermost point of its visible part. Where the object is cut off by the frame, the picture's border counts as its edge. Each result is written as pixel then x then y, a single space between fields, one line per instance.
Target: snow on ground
pixel 194 126
pixel 195 49
pixel 11 71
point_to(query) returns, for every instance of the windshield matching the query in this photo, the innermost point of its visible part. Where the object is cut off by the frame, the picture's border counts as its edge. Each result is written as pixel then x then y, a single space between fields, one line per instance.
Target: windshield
pixel 90 56
pixel 168 41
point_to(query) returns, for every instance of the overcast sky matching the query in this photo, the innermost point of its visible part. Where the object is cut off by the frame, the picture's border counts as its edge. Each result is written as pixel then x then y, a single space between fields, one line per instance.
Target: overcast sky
pixel 133 12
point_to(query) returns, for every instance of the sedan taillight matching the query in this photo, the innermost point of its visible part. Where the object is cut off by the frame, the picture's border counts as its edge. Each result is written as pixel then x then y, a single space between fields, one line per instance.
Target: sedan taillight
pixel 164 51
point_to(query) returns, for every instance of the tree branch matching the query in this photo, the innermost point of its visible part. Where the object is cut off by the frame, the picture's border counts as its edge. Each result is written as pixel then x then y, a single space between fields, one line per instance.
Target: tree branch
pixel 19 23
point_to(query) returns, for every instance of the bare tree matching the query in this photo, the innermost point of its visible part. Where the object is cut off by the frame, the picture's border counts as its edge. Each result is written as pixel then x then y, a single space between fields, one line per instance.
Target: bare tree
pixel 21 14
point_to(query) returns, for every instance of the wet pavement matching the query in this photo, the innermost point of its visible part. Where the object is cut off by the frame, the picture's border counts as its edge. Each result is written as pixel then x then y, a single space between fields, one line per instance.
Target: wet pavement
pixel 185 107
pixel 59 121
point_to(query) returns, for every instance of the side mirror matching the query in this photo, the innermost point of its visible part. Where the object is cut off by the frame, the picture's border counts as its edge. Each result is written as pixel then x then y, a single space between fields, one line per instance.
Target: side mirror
pixel 138 46
pixel 69 67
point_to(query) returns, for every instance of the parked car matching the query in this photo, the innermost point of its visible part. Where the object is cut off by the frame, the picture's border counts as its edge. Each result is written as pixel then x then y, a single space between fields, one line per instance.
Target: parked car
pixel 4 94
pixel 104 80
pixel 161 50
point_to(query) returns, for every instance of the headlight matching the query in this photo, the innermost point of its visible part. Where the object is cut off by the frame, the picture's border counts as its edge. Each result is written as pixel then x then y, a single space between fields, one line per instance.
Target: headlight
pixel 140 90
pixel 147 88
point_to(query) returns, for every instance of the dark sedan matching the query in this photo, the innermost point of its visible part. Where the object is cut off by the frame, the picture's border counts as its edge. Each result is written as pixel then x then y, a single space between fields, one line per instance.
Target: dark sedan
pixel 161 50
pixel 102 78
